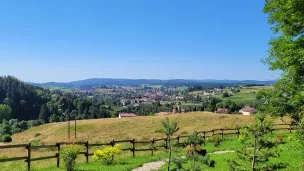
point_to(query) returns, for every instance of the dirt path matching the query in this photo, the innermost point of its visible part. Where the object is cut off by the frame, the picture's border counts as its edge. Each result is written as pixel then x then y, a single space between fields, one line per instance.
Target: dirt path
pixel 151 166
pixel 159 164
pixel 222 152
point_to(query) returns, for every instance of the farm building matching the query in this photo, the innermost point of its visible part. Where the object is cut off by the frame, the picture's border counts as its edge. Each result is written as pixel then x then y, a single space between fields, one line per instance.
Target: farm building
pixel 126 102
pixel 247 110
pixel 162 113
pixel 126 115
pixel 222 111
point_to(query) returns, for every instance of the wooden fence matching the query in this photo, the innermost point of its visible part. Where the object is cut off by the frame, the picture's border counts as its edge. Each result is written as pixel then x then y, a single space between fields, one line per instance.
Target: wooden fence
pixel 153 144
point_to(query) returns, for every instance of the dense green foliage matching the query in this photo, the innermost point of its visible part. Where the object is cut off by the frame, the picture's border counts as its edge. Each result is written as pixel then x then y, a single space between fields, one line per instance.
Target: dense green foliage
pixel 232 106
pixel 286 54
pixel 6 138
pixel 14 126
pixel 5 112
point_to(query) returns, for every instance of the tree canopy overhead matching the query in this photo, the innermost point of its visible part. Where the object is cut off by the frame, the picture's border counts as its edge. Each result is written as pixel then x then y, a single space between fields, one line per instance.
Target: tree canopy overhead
pixel 286 54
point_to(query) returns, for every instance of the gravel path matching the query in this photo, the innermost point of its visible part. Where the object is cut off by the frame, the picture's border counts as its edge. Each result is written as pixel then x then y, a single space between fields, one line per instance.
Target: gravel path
pixel 151 166
pixel 158 164
pixel 222 152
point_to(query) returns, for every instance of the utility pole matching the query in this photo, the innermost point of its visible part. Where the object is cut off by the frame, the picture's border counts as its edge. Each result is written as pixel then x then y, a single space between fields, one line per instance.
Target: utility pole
pixel 75 126
pixel 74 103
pixel 68 119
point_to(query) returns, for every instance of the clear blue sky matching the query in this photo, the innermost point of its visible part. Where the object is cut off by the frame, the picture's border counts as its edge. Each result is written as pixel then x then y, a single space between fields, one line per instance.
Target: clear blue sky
pixel 69 40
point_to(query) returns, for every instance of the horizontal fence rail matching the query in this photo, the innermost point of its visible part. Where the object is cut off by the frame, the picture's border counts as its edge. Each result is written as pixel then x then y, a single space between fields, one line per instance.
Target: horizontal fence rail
pixel 153 144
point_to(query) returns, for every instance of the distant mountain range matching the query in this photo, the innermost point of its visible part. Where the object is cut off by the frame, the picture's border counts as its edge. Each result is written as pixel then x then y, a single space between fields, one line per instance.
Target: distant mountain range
pixel 136 82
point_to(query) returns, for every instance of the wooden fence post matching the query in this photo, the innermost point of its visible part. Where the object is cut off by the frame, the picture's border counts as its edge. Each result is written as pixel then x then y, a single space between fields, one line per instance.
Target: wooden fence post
pixel 177 140
pixel 290 130
pixel 166 141
pixel 29 156
pixel 212 132
pixel 204 137
pixel 152 153
pixel 87 151
pixel 113 143
pixel 58 150
pixel 238 131
pixel 133 147
pixel 222 134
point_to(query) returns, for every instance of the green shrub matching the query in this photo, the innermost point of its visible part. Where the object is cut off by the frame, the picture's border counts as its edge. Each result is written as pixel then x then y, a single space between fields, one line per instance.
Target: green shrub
pixel 216 140
pixel 37 135
pixel 33 123
pixel 178 162
pixel 36 143
pixel 105 154
pixel 3 157
pixel 68 155
pixel 6 138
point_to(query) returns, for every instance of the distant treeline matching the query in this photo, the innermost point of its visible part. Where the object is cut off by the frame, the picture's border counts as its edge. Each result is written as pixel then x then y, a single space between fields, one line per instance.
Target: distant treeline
pixel 90 83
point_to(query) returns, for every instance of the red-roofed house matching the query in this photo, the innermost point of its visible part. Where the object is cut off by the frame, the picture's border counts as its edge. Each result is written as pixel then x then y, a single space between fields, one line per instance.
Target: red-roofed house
pixel 126 115
pixel 162 113
pixel 247 110
pixel 222 111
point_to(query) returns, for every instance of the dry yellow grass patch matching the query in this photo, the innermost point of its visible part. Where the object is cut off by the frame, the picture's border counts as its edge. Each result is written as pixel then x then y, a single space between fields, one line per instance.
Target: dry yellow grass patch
pixel 143 127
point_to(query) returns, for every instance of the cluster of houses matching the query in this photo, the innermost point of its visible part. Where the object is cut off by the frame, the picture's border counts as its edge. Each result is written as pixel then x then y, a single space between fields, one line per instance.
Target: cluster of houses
pixel 136 101
pixel 212 92
pixel 247 110
pixel 174 111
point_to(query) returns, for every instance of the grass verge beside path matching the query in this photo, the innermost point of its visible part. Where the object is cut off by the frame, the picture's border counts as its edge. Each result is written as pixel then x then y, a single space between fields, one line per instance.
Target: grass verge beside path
pixel 290 153
pixel 125 164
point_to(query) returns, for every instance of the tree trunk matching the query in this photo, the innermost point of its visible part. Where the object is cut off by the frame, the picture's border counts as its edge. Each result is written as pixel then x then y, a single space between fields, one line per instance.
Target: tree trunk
pixel 194 153
pixel 254 154
pixel 170 152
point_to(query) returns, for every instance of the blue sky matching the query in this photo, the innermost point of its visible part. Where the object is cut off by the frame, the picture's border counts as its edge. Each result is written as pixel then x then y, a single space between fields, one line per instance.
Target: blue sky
pixel 56 40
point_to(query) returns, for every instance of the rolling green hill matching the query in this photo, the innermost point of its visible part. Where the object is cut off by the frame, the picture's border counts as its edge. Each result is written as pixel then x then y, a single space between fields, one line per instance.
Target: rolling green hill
pixel 246 95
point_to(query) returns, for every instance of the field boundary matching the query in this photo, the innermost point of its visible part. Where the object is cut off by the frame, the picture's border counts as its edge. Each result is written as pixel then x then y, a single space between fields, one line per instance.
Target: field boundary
pixel 153 146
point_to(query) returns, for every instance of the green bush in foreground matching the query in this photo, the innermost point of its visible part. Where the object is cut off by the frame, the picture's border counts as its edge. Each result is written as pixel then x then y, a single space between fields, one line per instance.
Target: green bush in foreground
pixel 300 136
pixel 68 155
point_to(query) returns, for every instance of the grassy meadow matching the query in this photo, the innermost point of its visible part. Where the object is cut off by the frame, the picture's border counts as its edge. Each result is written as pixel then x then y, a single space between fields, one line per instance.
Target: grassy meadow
pixel 246 95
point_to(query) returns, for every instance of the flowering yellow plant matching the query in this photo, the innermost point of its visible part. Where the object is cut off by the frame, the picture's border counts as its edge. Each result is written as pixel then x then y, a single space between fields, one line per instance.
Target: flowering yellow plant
pixel 105 154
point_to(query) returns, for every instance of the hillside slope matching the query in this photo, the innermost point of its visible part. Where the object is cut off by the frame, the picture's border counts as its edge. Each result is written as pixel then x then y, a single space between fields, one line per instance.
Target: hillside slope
pixel 100 130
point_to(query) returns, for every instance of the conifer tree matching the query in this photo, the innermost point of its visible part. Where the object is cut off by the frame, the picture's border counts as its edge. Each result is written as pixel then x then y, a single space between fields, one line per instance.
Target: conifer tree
pixel 264 148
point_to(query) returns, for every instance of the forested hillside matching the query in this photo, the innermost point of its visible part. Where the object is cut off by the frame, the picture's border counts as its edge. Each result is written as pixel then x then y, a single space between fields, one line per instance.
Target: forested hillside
pixel 27 102
pixel 24 100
